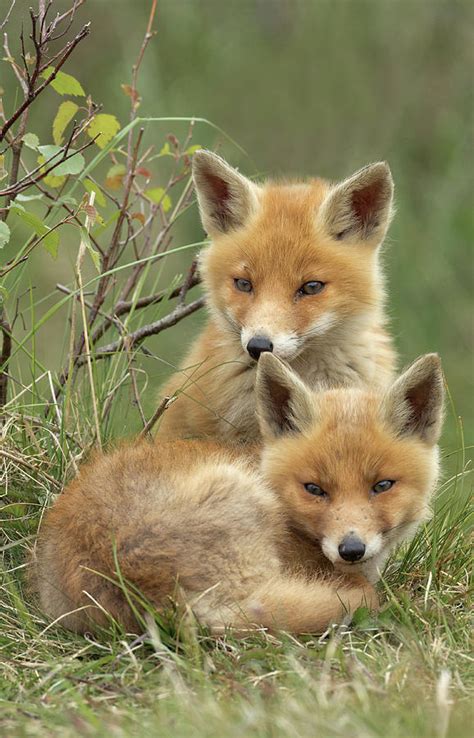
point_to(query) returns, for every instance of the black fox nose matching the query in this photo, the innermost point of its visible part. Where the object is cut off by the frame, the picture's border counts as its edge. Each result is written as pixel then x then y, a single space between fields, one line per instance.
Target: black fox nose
pixel 351 549
pixel 257 345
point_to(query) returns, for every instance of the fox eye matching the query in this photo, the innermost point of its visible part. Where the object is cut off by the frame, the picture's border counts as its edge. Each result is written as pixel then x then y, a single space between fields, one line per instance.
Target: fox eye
pixel 383 486
pixel 315 489
pixel 243 285
pixel 311 288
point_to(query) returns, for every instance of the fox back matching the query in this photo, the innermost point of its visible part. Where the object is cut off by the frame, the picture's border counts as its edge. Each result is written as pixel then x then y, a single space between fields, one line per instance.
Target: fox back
pixel 292 269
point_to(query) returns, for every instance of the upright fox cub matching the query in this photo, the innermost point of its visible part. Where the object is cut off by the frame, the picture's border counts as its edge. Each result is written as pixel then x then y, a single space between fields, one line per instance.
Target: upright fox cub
pixel 292 269
pixel 345 475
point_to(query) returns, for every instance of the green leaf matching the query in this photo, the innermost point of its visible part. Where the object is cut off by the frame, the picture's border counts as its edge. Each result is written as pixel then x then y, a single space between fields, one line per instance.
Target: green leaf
pixel 4 234
pixel 51 238
pixel 3 171
pixel 114 177
pixel 74 165
pixel 106 126
pixel 95 256
pixel 51 180
pixel 192 149
pixel 64 84
pixel 31 140
pixel 98 230
pixel 66 112
pixel 157 194
pixel 90 186
pixel 165 150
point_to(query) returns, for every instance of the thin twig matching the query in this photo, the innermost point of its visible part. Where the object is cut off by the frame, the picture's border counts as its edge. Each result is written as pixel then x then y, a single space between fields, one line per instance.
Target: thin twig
pixel 14 65
pixel 136 393
pixel 33 93
pixel 23 462
pixel 135 338
pixel 188 282
pixel 108 260
pixel 13 264
pixel 134 97
pixel 28 179
pixel 123 307
pixel 5 329
pixel 164 405
pixel 59 19
pixel 4 23
pixel 80 258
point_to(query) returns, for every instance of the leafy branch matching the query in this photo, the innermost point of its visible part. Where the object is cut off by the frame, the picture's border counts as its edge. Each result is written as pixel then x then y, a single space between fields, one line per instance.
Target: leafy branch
pixel 123 202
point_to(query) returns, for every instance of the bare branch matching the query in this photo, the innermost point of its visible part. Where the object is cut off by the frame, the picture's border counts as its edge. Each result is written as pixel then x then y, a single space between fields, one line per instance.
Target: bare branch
pixel 5 329
pixel 164 405
pixel 59 19
pixel 5 21
pixel 135 338
pixel 122 307
pixel 33 93
pixel 29 179
pixel 134 97
pixel 14 65
pixel 188 282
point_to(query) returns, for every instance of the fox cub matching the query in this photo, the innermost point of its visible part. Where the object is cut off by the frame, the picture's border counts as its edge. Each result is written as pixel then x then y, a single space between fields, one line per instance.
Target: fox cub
pixel 292 269
pixel 345 475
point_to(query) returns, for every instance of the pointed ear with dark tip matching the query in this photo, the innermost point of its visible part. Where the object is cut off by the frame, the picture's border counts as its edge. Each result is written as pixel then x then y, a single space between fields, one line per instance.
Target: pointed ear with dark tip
pixel 226 198
pixel 414 403
pixel 284 403
pixel 360 208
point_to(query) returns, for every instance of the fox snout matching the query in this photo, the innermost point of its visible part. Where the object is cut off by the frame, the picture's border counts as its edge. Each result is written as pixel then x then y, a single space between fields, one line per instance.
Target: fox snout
pixel 258 340
pixel 351 548
pixel 258 345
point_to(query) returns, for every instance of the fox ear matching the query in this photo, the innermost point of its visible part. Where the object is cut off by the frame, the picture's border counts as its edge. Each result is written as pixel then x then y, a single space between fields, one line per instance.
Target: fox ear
pixel 360 208
pixel 226 198
pixel 283 401
pixel 414 403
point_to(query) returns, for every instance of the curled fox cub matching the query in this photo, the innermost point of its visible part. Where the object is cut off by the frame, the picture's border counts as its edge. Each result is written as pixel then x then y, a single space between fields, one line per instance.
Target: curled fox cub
pixel 294 542
pixel 293 269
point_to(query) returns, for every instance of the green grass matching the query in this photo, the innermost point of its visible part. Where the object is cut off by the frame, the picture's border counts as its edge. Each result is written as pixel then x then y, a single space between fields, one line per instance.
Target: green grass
pixel 406 673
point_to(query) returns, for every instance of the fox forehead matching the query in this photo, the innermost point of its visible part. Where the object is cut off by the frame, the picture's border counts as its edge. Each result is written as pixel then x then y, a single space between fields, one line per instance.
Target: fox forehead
pixel 349 447
pixel 282 241
pixel 283 227
pixel 291 205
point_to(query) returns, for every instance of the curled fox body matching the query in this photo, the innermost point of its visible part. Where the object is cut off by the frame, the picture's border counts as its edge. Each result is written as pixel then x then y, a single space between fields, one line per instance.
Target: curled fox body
pixel 292 269
pixel 294 541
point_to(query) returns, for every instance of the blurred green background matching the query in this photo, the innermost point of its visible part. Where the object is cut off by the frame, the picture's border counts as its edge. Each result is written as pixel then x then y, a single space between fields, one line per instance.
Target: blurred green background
pixel 315 87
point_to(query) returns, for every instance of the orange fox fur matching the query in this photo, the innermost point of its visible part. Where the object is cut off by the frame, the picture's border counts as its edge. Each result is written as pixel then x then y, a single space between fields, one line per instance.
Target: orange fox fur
pixel 247 545
pixel 278 237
